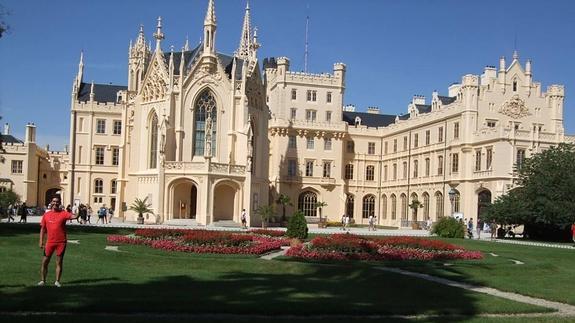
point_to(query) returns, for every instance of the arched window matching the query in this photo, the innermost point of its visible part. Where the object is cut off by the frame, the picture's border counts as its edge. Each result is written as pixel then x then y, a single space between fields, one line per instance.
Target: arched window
pixel 307 203
pixel 384 206
pixel 368 206
pixel 153 142
pixel 393 207
pixel 439 205
pixel 403 199
pixel 457 202
pixel 349 205
pixel 205 117
pixel 98 186
pixel 425 206
pixel 514 85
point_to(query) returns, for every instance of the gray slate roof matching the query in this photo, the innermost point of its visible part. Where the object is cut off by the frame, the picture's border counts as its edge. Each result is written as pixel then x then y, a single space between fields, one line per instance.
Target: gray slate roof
pixel 191 57
pixel 423 108
pixel 10 139
pixel 369 119
pixel 102 92
pixel 445 100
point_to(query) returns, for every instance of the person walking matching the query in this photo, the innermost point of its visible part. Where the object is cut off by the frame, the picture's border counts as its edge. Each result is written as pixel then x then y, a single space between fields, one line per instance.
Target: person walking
pixel 23 212
pixel 10 212
pixel 346 223
pixel 493 229
pixel 88 213
pixel 573 231
pixel 479 228
pixel 470 228
pixel 371 222
pixel 53 227
pixel 102 213
pixel 244 219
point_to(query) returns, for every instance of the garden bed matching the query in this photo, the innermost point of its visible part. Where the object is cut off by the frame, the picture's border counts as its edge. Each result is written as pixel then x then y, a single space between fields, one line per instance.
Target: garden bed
pixel 205 241
pixel 352 247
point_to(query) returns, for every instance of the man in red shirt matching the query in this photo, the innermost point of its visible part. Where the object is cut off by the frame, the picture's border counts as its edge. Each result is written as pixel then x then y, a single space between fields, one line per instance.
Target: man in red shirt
pixel 573 231
pixel 54 225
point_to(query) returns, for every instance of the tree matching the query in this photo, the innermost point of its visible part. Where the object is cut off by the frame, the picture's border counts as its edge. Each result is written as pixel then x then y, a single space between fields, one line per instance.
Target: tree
pixel 141 207
pixel 8 197
pixel 3 25
pixel 266 212
pixel 284 200
pixel 297 226
pixel 320 205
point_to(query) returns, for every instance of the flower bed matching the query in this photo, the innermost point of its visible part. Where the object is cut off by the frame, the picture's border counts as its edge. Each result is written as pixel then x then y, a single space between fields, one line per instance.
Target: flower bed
pixel 201 241
pixel 268 232
pixel 352 247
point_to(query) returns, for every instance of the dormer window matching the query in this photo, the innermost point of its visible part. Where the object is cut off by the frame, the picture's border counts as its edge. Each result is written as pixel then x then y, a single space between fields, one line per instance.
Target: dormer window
pixel 357 121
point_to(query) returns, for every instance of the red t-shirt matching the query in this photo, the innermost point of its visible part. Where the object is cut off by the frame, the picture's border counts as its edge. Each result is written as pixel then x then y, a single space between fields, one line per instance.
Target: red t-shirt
pixel 55 225
pixel 573 229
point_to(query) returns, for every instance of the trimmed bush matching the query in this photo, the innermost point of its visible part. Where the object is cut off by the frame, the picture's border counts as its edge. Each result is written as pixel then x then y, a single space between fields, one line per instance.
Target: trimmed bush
pixel 297 226
pixel 448 227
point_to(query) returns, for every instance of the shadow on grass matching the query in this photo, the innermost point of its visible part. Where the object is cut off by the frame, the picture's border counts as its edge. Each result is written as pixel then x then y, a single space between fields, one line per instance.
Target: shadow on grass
pixel 15 229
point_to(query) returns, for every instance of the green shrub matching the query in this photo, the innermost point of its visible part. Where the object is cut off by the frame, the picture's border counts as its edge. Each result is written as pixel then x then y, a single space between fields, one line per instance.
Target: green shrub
pixel 297 226
pixel 448 227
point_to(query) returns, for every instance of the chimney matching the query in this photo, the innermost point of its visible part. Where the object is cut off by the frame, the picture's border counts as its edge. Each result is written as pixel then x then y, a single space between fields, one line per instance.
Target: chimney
pixel 418 99
pixel 373 110
pixel 6 129
pixel 349 108
pixel 30 133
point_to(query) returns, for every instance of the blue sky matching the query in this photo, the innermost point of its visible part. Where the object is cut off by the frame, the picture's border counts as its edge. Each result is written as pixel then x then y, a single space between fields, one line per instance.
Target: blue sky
pixel 393 49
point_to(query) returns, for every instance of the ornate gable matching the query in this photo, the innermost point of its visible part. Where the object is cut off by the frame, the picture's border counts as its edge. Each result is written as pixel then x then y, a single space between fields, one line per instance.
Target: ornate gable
pixel 156 82
pixel 514 108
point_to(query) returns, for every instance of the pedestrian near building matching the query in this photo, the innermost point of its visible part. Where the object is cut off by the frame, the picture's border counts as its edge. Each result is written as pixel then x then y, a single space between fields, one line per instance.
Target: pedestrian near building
pixel 470 228
pixel 23 213
pixel 573 232
pixel 102 213
pixel 53 228
pixel 479 228
pixel 88 213
pixel 371 222
pixel 244 219
pixel 10 212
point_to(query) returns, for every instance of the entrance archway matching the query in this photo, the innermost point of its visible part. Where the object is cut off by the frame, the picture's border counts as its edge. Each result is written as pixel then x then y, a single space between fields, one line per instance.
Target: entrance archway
pixel 185 199
pixel 483 202
pixel 50 194
pixel 224 202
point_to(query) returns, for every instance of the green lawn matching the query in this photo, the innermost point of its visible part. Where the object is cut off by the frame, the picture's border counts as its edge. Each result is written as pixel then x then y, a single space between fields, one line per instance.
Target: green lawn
pixel 143 280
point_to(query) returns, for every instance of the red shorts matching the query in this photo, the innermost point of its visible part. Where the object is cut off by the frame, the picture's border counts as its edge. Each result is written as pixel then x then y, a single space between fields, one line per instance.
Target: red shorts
pixel 49 249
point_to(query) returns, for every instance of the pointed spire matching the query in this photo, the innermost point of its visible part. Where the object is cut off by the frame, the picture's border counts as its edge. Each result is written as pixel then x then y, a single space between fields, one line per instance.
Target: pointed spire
pixel 159 35
pixel 141 38
pixel 210 15
pixel 92 94
pixel 246 38
pixel 515 55
pixel 80 74
pixel 182 64
pixel 186 45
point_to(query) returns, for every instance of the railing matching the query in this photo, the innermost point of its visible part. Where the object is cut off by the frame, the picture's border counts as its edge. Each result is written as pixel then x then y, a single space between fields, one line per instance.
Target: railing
pixel 413 224
pixel 204 167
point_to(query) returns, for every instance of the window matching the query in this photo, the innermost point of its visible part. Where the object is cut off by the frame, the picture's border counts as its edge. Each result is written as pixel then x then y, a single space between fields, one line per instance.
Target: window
pixel 292 167
pixel 99 155
pixel 310 143
pixel 370 173
pixel 456 130
pixel 349 205
pixel 394 145
pixel 113 186
pixel 393 207
pixel 415 168
pixel 79 160
pixel 384 206
pixel 371 148
pixel 100 126
pixel 350 146
pixel 385 148
pixel 98 186
pixel 115 156
pixel 425 206
pixel 427 166
pixel 311 95
pixel 416 140
pixel 153 141
pixel 327 144
pixel 309 168
pixel 440 134
pixel 80 124
pixel 327 169
pixel 455 163
pixel 293 94
pixel 328 116
pixel 477 160
pixel 292 142
pixel 205 118
pixel 368 208
pixel 427 136
pixel 349 171
pixel 17 166
pixel 520 158
pixel 489 158
pixel 404 170
pixel 438 205
pixel 405 143
pixel 293 113
pixel 514 86
pixel 491 123
pixel 117 127
pixel 328 97
pixel 385 173
pixel 310 115
pixel 394 171
pixel 98 199
pixel 307 203
pixel 440 165
pixel 457 202
pixel 403 199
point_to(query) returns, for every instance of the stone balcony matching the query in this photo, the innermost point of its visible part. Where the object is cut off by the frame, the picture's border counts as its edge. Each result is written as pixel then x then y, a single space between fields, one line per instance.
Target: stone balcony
pixel 179 167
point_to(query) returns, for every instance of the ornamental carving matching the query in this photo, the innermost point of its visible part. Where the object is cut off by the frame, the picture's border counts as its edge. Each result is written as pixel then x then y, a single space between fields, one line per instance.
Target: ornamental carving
pixel 515 108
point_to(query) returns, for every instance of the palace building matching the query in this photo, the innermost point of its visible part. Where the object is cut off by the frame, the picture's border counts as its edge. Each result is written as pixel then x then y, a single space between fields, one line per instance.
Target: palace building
pixel 203 135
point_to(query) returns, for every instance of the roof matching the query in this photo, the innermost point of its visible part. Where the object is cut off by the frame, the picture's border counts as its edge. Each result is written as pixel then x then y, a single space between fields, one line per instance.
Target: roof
pixel 270 63
pixel 10 139
pixel 445 100
pixel 369 119
pixel 190 57
pixel 423 108
pixel 102 92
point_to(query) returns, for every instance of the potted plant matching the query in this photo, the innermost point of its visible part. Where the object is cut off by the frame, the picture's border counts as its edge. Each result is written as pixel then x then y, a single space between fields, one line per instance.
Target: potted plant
pixel 141 207
pixel 320 205
pixel 266 212
pixel 284 200
pixel 415 204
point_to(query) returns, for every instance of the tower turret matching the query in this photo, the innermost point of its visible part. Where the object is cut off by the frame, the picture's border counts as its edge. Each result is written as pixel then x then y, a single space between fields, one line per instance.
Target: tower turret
pixel 245 41
pixel 501 74
pixel 80 74
pixel 209 54
pixel 138 60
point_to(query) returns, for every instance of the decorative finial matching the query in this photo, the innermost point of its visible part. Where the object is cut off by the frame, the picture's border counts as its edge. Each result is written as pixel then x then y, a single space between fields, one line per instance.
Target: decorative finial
pixel 246 39
pixel 515 55
pixel 159 35
pixel 186 45
pixel 210 14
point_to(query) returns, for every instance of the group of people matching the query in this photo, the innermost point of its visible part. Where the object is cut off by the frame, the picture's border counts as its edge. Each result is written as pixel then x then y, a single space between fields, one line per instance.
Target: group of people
pixel 490 227
pixel 17 210
pixel 345 220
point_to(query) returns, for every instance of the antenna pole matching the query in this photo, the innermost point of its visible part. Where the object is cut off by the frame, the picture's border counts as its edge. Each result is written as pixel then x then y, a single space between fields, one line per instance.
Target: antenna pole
pixel 306 53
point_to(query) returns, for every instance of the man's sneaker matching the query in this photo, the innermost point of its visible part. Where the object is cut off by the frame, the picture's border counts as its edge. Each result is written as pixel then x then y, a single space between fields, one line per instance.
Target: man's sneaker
pixel 41 283
pixel 57 284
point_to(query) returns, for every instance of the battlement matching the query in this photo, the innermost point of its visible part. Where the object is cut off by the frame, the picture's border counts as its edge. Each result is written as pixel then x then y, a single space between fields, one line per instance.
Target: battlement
pixel 98 106
pixel 555 90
